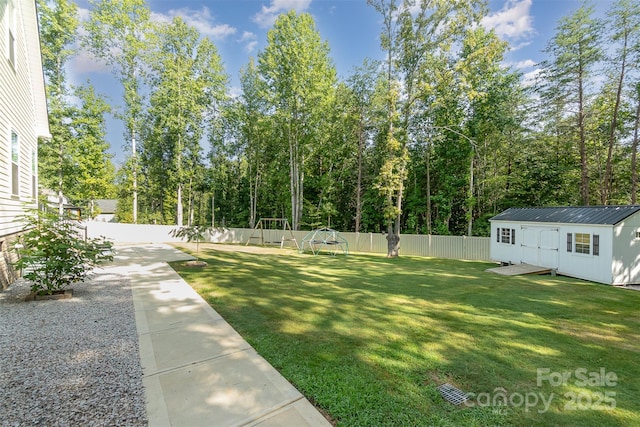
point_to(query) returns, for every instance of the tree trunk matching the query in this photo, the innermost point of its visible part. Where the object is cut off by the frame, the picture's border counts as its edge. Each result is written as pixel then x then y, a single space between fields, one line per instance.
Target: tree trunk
pixel 60 179
pixel 293 179
pixel 253 195
pixel 608 178
pixel 393 238
pixel 584 173
pixel 190 207
pixel 135 178
pixel 634 151
pixel 179 213
pixel 300 190
pixel 428 161
pixel 213 210
pixel 393 242
pixel 470 223
pixel 359 183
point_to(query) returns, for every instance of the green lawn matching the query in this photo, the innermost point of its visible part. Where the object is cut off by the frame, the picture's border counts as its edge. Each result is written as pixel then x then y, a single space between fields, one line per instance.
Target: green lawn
pixel 368 339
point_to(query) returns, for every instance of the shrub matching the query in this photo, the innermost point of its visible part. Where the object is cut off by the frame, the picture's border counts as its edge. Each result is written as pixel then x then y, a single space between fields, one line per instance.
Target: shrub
pixel 53 254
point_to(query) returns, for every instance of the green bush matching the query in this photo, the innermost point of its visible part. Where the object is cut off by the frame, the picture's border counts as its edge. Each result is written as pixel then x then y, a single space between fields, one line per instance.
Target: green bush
pixel 52 253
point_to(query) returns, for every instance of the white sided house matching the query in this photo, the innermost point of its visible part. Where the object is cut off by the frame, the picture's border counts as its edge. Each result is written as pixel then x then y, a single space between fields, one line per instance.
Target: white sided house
pixel 596 243
pixel 23 117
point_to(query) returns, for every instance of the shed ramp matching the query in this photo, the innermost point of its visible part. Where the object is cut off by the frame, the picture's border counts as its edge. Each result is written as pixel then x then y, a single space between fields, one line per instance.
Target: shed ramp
pixel 519 269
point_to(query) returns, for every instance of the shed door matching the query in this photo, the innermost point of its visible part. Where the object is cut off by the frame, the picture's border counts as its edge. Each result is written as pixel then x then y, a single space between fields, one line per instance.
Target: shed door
pixel 549 240
pixel 530 238
pixel 540 246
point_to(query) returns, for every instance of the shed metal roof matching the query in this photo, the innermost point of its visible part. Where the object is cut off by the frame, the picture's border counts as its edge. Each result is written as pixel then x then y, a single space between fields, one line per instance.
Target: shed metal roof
pixel 605 215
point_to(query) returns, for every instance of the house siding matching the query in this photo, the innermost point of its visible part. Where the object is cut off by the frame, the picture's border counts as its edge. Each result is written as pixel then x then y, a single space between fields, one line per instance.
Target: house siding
pixel 23 110
pixel 21 103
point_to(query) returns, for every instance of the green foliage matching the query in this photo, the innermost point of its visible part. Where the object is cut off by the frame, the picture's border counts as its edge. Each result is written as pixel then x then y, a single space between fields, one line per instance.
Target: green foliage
pixel 436 138
pixel 299 79
pixel 187 81
pixel 118 31
pixel 575 52
pixel 75 161
pixel 54 255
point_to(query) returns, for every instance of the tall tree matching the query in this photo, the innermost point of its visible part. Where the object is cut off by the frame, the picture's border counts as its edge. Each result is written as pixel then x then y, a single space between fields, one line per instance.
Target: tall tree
pixel 300 78
pixel 624 19
pixel 412 32
pixel 575 50
pixel 93 173
pixel 187 80
pixel 362 86
pixel 117 33
pixel 634 147
pixel 487 90
pixel 58 29
pixel 254 131
pixel 392 172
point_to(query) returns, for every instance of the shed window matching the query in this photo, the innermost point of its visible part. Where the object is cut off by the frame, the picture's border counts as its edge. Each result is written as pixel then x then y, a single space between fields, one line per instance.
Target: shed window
pixel 505 235
pixel 583 243
pixel 637 235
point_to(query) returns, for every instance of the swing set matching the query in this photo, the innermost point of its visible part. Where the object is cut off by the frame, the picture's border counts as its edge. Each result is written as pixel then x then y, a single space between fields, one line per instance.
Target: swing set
pixel 272 231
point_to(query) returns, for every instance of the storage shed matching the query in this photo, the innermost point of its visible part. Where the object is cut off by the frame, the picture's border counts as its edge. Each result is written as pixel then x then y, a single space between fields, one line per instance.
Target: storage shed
pixel 597 243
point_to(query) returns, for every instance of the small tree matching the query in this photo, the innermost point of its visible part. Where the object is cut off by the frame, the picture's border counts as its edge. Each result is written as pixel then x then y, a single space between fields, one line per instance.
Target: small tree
pixel 193 233
pixel 54 255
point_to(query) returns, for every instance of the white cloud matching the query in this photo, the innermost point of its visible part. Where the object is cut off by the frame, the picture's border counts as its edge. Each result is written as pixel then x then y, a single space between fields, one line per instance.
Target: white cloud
pixel 267 16
pixel 235 92
pixel 84 62
pixel 83 14
pixel 528 79
pixel 527 63
pixel 250 41
pixel 513 21
pixel 202 20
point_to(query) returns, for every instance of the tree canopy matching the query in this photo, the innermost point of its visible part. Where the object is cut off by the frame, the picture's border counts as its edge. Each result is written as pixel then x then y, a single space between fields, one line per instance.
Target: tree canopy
pixel 435 138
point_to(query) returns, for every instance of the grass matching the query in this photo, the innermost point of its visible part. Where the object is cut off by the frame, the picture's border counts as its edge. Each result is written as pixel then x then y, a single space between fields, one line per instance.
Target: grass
pixel 368 339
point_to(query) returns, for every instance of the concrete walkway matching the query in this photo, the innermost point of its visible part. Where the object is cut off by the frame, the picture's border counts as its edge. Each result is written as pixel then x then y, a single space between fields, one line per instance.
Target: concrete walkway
pixel 198 371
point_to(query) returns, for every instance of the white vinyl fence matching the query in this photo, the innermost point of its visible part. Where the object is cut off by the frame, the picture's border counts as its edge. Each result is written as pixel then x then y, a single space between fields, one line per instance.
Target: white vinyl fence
pixel 455 247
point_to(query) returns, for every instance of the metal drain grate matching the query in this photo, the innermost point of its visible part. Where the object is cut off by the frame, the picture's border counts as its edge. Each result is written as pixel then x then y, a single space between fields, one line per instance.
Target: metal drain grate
pixel 452 394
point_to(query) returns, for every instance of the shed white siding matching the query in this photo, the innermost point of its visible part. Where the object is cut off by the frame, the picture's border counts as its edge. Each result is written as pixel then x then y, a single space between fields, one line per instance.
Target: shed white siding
pixel 596 268
pixel 606 252
pixel 625 260
pixel 23 111
pixel 508 252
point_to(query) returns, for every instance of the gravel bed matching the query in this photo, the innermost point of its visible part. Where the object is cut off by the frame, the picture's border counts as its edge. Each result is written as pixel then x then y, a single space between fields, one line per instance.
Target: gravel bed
pixel 71 362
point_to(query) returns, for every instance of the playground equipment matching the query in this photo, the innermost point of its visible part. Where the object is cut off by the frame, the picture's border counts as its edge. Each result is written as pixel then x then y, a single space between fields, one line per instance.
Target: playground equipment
pixel 325 238
pixel 272 231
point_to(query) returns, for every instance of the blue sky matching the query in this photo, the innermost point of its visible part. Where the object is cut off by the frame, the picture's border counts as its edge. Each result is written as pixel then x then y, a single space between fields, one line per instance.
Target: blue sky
pixel 351 27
